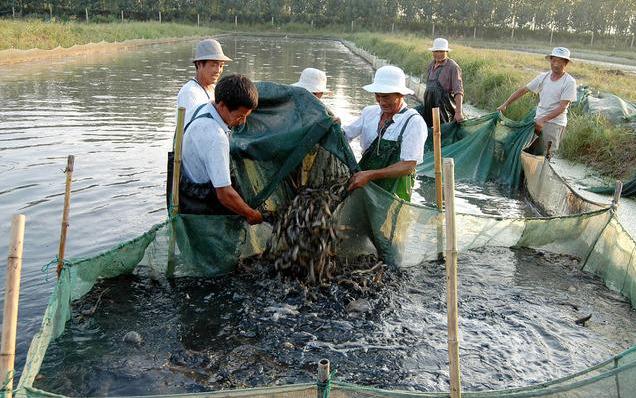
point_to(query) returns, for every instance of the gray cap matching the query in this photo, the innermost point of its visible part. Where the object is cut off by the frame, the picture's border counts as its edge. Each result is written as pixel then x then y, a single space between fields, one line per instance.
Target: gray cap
pixel 209 49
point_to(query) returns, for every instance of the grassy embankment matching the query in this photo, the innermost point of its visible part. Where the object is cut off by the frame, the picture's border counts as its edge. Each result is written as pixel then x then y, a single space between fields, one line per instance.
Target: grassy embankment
pixel 43 35
pixel 490 76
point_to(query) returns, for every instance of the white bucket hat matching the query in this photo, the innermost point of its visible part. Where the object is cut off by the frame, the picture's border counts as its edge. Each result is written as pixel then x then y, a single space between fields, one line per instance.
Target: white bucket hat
pixel 209 49
pixel 559 52
pixel 440 44
pixel 313 80
pixel 387 80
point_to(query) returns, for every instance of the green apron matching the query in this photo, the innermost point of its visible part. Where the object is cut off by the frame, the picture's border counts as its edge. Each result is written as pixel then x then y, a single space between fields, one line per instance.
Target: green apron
pixel 383 153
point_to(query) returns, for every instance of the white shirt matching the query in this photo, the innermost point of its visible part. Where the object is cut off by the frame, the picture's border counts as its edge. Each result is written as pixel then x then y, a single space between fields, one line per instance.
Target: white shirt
pixel 206 150
pixel 551 93
pixel 191 95
pixel 366 126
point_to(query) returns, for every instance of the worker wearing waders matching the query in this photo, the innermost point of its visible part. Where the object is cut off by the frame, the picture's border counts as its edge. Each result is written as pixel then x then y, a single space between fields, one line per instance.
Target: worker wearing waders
pixel 206 186
pixel 209 62
pixel 392 136
pixel 556 90
pixel 444 86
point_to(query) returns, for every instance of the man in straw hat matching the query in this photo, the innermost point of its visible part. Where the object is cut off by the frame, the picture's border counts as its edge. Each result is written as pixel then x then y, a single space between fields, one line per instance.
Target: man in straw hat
pixel 444 86
pixel 392 136
pixel 209 62
pixel 556 90
pixel 313 80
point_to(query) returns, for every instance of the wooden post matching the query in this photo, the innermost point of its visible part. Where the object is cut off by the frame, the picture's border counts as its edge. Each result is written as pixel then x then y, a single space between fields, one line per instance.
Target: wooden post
pixel 618 190
pixel 323 377
pixel 86 11
pixel 451 279
pixel 11 297
pixel 67 204
pixel 176 177
pixel 437 155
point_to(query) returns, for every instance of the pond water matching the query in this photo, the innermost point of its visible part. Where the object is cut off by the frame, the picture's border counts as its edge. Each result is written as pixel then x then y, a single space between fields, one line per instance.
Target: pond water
pixel 115 113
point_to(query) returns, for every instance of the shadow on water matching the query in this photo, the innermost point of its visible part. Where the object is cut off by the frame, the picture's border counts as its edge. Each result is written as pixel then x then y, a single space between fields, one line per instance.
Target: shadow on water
pixel 143 334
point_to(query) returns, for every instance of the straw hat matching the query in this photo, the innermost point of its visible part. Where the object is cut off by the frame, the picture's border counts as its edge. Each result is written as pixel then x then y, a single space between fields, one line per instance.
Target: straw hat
pixel 559 52
pixel 209 49
pixel 389 79
pixel 313 80
pixel 440 44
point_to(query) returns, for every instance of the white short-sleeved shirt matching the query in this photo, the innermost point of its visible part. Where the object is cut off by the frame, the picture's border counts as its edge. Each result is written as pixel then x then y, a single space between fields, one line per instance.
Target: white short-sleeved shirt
pixel 191 95
pixel 551 93
pixel 366 126
pixel 206 150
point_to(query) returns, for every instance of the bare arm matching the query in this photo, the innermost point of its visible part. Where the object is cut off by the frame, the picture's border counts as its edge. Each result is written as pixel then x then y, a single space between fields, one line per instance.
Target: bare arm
pixel 563 105
pixel 233 201
pixel 459 102
pixel 362 178
pixel 515 96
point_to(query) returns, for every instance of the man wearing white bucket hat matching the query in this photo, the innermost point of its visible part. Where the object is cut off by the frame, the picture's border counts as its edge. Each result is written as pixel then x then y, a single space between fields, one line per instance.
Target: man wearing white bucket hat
pixel 392 136
pixel 444 86
pixel 556 89
pixel 209 62
pixel 313 80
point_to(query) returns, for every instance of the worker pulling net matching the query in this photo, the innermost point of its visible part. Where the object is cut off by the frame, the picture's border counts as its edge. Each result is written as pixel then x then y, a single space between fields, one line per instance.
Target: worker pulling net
pixel 369 225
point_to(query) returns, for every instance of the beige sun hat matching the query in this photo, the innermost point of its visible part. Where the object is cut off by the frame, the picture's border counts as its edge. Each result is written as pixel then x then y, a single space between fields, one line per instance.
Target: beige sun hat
pixel 387 80
pixel 440 44
pixel 313 80
pixel 559 52
pixel 209 49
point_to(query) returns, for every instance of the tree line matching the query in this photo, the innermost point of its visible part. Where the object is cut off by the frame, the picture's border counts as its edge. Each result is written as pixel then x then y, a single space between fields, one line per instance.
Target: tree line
pixel 463 17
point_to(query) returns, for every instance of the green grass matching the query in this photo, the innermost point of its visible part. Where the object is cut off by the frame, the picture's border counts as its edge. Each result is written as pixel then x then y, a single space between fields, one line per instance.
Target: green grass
pixel 43 35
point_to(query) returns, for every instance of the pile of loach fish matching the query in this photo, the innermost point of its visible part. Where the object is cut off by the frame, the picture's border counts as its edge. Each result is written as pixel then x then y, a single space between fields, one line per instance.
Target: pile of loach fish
pixel 305 237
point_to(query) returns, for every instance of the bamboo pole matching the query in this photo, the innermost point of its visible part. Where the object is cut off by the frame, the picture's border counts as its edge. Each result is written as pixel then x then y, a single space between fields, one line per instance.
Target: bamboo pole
pixel 323 377
pixel 451 279
pixel 67 204
pixel 11 298
pixel 437 155
pixel 176 178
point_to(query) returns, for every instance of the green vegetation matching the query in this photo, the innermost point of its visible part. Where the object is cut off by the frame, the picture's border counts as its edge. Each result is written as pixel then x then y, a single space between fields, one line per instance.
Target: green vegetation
pixel 38 34
pixel 490 76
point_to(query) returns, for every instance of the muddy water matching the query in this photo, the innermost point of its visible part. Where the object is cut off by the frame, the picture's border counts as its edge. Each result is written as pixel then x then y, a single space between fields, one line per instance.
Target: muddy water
pixel 246 331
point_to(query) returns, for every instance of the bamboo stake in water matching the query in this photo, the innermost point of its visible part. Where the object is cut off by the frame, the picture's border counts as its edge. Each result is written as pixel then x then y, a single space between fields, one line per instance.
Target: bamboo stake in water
pixel 176 177
pixel 618 190
pixel 437 155
pixel 67 204
pixel 11 297
pixel 323 377
pixel 451 279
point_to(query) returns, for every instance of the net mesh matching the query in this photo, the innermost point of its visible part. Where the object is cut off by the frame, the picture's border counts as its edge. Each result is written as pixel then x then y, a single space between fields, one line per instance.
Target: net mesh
pixel 267 153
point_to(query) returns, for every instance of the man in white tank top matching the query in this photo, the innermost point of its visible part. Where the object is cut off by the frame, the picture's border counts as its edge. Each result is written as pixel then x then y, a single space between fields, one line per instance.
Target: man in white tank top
pixel 209 62
pixel 556 89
